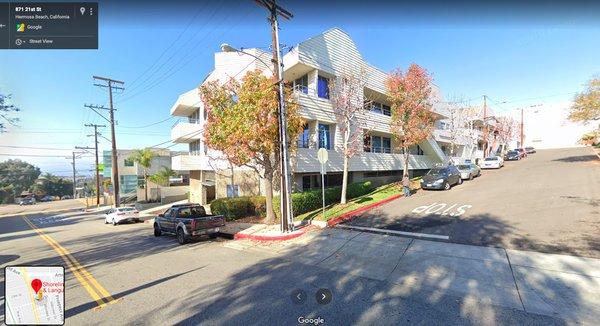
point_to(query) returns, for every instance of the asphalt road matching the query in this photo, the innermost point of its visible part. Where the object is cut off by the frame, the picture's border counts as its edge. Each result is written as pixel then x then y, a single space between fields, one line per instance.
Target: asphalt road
pixel 548 202
pixel 153 281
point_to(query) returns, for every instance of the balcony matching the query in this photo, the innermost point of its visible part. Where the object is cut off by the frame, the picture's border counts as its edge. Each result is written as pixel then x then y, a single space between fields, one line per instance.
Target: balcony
pixel 186 131
pixel 187 103
pixel 306 161
pixel 187 162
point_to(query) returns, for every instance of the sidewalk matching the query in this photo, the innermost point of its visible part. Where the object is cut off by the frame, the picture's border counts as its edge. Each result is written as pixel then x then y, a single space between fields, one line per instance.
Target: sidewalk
pixel 560 286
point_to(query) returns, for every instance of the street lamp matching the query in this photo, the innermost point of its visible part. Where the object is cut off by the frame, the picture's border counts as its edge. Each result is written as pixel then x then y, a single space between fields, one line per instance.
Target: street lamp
pixel 287 216
pixel 228 48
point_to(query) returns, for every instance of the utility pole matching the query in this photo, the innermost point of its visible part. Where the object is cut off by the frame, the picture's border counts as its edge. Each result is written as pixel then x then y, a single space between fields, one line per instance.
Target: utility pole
pixel 74 172
pixel 287 215
pixel 97 163
pixel 485 129
pixel 74 177
pixel 522 144
pixel 109 83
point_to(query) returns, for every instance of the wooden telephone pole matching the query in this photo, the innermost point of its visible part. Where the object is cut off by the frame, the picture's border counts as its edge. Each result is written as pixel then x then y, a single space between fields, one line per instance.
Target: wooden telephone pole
pixel 287 215
pixel 110 84
pixel 95 148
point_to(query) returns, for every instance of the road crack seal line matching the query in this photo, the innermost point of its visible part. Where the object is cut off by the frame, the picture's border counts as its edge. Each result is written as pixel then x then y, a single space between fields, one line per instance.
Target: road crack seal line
pixel 95 290
pixel 399 259
pixel 512 272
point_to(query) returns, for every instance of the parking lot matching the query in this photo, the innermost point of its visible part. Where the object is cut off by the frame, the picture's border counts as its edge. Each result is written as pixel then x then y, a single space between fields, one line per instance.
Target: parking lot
pixel 547 202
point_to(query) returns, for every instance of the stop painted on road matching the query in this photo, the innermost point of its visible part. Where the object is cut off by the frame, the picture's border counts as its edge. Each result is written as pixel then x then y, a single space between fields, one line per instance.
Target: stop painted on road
pixel 442 209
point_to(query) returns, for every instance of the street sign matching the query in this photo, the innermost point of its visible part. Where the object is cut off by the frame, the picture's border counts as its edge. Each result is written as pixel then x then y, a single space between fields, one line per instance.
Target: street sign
pixel 323 156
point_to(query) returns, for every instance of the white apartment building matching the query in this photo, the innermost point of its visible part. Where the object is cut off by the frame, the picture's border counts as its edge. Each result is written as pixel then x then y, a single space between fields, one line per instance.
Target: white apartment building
pixel 310 66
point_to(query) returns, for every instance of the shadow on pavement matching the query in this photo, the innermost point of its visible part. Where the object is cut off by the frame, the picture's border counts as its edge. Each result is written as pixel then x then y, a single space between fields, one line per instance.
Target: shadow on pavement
pixel 442 292
pixel 578 158
pixel 92 304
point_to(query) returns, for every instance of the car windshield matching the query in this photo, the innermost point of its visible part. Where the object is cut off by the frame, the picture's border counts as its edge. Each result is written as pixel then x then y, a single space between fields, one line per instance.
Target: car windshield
pixel 464 167
pixel 491 159
pixel 126 209
pixel 436 172
pixel 512 152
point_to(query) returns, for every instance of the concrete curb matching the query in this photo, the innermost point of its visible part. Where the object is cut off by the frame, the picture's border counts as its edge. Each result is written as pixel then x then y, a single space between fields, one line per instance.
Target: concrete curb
pixel 282 237
pixel 348 215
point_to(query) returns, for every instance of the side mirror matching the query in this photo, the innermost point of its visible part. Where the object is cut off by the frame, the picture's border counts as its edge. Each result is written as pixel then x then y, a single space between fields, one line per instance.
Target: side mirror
pixel 161 215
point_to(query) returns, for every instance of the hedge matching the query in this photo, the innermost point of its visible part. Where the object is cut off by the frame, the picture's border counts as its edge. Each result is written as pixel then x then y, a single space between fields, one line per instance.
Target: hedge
pixel 302 202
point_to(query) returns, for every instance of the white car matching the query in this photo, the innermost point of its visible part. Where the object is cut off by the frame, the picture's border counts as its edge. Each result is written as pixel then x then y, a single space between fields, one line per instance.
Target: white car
pixel 121 214
pixel 493 162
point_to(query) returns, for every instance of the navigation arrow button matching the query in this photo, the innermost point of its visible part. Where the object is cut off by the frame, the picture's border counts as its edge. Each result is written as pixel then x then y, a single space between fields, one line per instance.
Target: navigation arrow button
pixel 323 296
pixel 298 296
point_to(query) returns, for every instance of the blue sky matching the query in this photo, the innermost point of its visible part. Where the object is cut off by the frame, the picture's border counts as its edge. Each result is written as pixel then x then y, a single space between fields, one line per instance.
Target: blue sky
pixel 161 51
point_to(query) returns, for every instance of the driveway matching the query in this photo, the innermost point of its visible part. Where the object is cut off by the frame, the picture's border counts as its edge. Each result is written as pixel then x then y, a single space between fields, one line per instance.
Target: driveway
pixel 548 202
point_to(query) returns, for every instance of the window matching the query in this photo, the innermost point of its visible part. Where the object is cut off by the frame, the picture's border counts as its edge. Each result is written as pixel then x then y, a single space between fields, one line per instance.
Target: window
pixel 128 162
pixel 378 144
pixel 415 150
pixel 386 110
pixel 324 136
pixel 376 107
pixel 232 191
pixel 301 84
pixel 381 108
pixel 195 147
pixel 306 182
pixel 304 137
pixel 367 143
pixel 323 87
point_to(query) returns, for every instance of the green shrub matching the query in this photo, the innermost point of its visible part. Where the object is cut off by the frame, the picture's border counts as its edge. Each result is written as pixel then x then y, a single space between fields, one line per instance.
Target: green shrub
pixel 302 202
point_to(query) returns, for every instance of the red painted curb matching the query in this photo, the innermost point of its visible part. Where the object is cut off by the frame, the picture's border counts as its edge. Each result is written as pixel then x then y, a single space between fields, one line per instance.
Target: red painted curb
pixel 282 237
pixel 351 214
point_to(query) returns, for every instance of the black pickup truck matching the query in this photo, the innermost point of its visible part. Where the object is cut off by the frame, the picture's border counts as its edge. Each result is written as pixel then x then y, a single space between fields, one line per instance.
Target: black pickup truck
pixel 187 221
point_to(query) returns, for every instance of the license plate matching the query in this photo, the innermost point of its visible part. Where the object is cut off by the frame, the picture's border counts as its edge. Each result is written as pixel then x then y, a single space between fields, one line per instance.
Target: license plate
pixel 429 185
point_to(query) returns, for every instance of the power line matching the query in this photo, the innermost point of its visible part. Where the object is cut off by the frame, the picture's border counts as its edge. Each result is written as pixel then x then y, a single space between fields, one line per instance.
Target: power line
pixel 43 148
pixel 33 155
pixel 178 50
pixel 170 47
pixel 148 125
pixel 166 75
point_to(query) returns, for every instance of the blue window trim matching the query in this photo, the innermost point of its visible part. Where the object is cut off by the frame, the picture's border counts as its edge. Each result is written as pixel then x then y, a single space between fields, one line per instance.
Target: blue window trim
pixel 323 87
pixel 324 136
pixel 304 137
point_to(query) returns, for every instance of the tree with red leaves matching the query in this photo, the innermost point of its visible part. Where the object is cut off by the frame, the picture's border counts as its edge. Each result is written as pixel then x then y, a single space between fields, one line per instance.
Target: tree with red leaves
pixel 409 95
pixel 242 123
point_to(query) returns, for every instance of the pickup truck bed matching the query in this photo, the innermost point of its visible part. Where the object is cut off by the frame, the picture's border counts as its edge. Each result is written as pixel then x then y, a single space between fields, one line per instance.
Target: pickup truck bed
pixel 187 221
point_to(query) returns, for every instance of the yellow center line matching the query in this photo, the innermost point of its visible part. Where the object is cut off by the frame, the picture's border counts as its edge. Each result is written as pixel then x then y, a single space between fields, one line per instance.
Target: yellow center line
pixel 31 298
pixel 95 290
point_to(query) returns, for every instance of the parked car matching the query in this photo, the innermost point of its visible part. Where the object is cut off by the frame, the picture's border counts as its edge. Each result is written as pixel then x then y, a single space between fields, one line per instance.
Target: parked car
pixel 121 214
pixel 441 178
pixel 529 150
pixel 187 221
pixel 66 197
pixel 47 198
pixel 27 201
pixel 492 162
pixel 468 171
pixel 522 152
pixel 512 155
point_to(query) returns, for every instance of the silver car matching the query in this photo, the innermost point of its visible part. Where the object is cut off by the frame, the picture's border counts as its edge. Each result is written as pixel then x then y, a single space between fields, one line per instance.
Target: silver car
pixel 469 171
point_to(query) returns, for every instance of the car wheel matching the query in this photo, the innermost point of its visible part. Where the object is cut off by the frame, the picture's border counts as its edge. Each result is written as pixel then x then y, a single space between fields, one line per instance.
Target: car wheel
pixel 157 231
pixel 181 236
pixel 114 223
pixel 446 186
